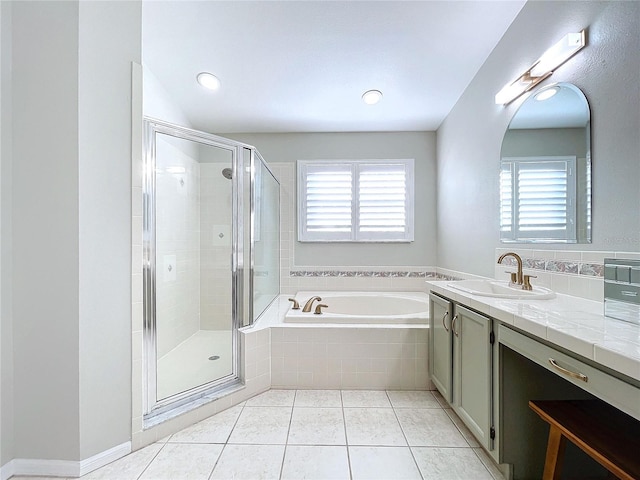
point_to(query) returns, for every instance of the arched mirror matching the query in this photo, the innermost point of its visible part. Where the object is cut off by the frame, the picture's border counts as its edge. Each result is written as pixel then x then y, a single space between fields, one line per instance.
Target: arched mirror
pixel 545 169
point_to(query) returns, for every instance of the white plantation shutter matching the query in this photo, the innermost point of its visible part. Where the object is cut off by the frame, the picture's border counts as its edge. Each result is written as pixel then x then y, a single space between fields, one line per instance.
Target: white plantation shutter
pixel 542 205
pixel 356 201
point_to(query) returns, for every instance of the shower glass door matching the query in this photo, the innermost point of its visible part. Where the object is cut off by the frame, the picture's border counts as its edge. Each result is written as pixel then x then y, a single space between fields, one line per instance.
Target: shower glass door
pixel 193 248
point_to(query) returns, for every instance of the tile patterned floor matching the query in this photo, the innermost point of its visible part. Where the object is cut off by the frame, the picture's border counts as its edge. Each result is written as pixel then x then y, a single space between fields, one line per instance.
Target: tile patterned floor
pixel 316 434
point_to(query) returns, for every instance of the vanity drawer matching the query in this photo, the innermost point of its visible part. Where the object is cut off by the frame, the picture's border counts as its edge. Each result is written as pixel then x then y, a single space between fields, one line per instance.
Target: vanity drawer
pixel 612 390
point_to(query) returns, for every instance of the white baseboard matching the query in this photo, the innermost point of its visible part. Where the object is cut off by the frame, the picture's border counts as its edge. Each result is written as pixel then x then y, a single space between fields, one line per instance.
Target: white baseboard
pixel 103 458
pixel 6 471
pixel 63 468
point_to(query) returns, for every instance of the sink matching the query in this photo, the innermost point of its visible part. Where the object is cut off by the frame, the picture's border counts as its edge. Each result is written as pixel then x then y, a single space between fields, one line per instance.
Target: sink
pixel 496 289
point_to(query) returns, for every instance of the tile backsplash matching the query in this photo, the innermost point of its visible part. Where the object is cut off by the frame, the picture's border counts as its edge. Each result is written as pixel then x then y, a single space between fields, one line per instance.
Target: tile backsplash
pixel 572 272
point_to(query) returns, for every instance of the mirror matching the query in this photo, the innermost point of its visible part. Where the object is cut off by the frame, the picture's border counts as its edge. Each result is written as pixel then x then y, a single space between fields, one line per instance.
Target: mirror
pixel 545 169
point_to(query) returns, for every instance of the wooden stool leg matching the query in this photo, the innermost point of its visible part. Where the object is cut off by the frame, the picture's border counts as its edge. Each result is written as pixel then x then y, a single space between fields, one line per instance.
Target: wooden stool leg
pixel 555 454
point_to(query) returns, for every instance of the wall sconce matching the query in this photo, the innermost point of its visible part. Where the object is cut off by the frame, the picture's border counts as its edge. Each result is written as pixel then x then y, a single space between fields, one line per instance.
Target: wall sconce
pixel 543 67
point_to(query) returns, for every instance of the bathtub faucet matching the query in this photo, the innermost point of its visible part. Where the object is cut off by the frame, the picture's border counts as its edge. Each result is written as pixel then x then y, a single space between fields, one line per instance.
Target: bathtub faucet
pixel 309 304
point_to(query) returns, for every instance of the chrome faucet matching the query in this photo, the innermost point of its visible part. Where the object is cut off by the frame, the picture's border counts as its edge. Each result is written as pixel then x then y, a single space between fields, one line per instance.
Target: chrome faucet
pixel 309 304
pixel 518 275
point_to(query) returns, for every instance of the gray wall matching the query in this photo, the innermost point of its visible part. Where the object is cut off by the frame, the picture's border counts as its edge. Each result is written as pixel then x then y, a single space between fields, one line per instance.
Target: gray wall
pixel 71 226
pixel 6 321
pixel 421 146
pixel 469 139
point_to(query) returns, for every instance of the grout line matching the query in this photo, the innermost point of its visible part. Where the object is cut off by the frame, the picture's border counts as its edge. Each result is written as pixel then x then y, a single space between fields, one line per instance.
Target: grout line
pixel 346 440
pixel 405 436
pixel 151 461
pixel 284 455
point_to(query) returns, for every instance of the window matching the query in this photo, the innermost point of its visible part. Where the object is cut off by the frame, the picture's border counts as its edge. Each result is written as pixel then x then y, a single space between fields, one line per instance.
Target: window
pixel 536 199
pixel 355 201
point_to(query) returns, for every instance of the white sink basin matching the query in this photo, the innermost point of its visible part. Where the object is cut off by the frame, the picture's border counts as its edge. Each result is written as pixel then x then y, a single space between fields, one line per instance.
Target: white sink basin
pixel 490 288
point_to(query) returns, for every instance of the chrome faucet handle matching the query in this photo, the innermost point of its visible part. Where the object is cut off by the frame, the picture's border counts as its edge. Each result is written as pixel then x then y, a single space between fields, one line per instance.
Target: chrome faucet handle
pixel 296 305
pixel 526 284
pixel 319 307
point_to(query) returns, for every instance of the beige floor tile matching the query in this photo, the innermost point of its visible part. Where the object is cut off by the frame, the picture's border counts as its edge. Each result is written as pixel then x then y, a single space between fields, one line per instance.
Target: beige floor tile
pixel 318 398
pixel 419 399
pixel 215 429
pixel 373 426
pixel 273 398
pixel 430 428
pixel 262 425
pixel 450 464
pixel 466 433
pixel 314 462
pixel 127 468
pixel 254 462
pixel 365 398
pixel 183 461
pixel 383 463
pixel 488 463
pixel 317 426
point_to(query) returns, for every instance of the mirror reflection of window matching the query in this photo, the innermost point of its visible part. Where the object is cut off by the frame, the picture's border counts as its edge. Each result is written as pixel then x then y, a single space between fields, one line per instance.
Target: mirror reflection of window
pixel 545 173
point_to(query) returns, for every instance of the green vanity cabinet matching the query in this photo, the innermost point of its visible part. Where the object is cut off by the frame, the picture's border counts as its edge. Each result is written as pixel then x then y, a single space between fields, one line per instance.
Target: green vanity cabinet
pixel 461 364
pixel 441 345
pixel 472 373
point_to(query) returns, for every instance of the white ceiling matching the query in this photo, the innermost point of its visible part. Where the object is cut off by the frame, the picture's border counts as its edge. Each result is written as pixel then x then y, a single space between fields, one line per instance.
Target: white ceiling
pixel 302 66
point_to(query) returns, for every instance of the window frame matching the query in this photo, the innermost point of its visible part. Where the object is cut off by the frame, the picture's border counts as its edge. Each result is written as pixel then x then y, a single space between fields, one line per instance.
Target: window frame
pixel 355 234
pixel 515 233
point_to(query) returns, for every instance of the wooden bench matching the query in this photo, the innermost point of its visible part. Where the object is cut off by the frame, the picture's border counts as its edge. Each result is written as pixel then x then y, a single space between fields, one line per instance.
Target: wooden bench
pixel 607 435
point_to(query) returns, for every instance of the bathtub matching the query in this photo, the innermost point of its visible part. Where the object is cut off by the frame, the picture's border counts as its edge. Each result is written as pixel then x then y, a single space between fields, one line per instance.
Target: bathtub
pixel 363 308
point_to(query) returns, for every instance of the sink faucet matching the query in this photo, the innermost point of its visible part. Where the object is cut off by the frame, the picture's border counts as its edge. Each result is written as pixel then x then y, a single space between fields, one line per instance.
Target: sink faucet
pixel 519 260
pixel 309 304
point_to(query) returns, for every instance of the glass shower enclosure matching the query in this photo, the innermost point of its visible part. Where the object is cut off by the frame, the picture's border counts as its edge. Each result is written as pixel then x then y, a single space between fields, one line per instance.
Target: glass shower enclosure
pixel 211 264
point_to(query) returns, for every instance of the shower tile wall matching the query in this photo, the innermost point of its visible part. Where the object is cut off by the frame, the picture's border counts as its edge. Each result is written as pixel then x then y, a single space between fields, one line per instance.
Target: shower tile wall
pixel 178 244
pixel 215 240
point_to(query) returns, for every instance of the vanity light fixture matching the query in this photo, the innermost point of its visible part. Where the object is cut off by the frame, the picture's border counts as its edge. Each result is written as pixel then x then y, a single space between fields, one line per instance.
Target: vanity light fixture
pixel 543 67
pixel 371 97
pixel 547 93
pixel 208 80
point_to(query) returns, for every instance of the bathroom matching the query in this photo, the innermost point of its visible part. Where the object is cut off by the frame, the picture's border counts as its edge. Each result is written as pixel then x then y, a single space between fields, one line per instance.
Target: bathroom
pixel 67 358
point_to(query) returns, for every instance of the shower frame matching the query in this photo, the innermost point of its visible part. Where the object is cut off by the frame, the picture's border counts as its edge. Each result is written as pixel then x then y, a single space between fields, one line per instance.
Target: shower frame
pixel 157 410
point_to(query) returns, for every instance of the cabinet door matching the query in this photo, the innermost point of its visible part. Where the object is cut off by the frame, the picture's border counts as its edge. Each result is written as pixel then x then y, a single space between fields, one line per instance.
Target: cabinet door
pixel 440 349
pixel 473 372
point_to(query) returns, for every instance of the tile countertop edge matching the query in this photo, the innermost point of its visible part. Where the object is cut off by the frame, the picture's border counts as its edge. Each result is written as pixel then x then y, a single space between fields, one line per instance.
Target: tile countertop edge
pixel 545 318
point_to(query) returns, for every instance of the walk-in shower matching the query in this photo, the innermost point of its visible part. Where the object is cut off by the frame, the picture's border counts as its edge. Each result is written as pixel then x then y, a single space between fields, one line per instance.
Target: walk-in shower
pixel 210 226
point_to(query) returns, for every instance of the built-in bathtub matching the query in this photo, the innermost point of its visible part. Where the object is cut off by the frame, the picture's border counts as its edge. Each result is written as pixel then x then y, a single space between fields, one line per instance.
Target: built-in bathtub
pixel 362 308
pixel 350 350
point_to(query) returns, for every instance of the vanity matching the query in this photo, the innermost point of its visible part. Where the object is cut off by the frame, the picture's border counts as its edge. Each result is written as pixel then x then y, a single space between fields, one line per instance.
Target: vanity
pixel 490 355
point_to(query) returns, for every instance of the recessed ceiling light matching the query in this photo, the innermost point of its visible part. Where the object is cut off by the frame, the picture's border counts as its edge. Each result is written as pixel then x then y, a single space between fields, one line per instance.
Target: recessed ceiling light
pixel 208 80
pixel 547 93
pixel 371 97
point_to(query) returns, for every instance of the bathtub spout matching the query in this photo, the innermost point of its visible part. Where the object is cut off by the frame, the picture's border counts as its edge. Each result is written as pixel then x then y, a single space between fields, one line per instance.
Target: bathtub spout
pixel 309 304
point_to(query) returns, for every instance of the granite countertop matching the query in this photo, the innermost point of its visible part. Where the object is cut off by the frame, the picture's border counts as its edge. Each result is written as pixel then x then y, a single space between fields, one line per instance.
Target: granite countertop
pixel 573 323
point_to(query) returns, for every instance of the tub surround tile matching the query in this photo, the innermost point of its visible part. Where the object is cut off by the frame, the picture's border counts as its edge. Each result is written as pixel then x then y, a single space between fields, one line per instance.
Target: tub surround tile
pixel 383 463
